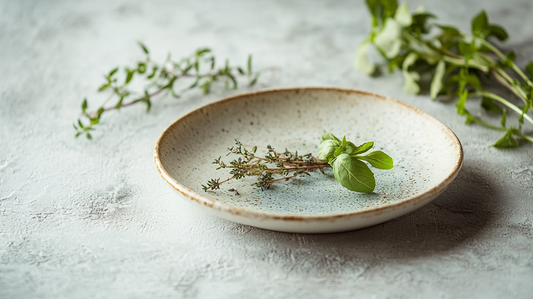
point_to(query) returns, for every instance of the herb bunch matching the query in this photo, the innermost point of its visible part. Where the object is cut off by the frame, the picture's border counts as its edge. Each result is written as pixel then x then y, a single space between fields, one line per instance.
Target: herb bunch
pixel 198 70
pixel 343 156
pixel 461 64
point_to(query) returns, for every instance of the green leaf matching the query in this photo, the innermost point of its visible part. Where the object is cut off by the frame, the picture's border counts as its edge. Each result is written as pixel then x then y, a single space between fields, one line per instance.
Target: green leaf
pixel 411 78
pixel 473 80
pixel 498 32
pixel 363 148
pixel 252 83
pixel 378 159
pixel 403 15
pixel 362 63
pixel 329 136
pixel 84 106
pixel 436 82
pixel 233 80
pixel 374 7
pixel 89 136
pixel 148 105
pixel 504 118
pixel 350 148
pixel 388 39
pixel 200 52
pixel 510 59
pixel 411 85
pixel 420 22
pixel 112 72
pixel 326 150
pixel 395 62
pixel 119 103
pixel 143 47
pixel 507 141
pixel 489 105
pixel 77 134
pixel 480 25
pixel 249 65
pixel 529 69
pixel 154 70
pixel 129 76
pixel 353 174
pixel 449 31
pixel 141 67
pixel 466 49
pixel 389 8
pixel 104 87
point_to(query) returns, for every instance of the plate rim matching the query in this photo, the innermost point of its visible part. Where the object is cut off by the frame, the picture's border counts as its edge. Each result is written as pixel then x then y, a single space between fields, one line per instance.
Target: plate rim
pixel 239 211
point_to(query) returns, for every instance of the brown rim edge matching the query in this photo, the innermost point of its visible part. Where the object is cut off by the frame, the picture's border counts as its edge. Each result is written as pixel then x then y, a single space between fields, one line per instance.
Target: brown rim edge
pixel 223 207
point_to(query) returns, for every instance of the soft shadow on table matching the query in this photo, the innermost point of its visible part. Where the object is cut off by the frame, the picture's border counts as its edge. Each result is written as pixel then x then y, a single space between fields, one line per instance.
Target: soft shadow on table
pixel 455 217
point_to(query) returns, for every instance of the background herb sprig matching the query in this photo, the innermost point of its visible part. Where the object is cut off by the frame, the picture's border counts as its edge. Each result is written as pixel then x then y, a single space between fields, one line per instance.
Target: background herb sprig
pixel 343 156
pixel 199 70
pixel 460 64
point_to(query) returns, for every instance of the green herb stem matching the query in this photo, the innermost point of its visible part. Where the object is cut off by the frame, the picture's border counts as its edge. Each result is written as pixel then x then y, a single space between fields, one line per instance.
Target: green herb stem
pixel 504 58
pixel 503 101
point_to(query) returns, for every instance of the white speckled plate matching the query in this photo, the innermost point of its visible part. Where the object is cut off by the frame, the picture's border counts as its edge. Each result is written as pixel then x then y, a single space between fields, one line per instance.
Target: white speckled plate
pixel 427 157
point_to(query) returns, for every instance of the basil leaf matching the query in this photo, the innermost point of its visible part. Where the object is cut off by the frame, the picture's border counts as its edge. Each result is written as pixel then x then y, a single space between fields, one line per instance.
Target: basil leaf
pixel 353 174
pixel 403 15
pixel 378 159
pixel 507 141
pixel 480 25
pixel 329 136
pixel 388 39
pixel 436 83
pixel 498 32
pixel 363 148
pixel 362 63
pixel 411 78
pixel 326 150
pixel 350 147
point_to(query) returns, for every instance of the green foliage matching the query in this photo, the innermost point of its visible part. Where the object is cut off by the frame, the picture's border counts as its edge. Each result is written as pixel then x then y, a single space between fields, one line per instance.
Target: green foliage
pixel 459 63
pixel 159 78
pixel 343 156
pixel 346 160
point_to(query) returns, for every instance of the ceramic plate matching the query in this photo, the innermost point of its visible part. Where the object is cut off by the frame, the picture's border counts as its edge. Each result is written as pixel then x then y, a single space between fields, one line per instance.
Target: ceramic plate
pixel 427 157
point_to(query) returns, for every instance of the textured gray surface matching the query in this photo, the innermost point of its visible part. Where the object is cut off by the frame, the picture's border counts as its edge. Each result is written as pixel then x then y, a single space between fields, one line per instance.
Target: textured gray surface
pixel 82 219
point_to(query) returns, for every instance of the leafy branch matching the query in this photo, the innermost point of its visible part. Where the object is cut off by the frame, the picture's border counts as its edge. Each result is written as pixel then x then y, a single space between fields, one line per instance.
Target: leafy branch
pixel 343 156
pixel 199 69
pixel 461 64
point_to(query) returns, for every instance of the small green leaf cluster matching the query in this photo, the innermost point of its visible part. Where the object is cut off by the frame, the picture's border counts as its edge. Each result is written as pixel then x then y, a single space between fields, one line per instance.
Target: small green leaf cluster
pixel 459 64
pixel 346 159
pixel 198 70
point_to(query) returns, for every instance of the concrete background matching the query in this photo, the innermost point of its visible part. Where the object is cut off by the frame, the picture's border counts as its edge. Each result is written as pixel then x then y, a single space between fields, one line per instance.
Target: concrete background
pixel 93 219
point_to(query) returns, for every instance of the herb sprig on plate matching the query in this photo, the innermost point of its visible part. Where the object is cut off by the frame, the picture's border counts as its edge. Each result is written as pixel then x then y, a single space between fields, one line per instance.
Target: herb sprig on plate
pixel 346 159
pixel 198 70
pixel 461 64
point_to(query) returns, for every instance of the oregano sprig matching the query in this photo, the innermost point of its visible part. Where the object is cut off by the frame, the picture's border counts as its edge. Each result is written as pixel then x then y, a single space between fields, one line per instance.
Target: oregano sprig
pixel 198 70
pixel 460 64
pixel 346 159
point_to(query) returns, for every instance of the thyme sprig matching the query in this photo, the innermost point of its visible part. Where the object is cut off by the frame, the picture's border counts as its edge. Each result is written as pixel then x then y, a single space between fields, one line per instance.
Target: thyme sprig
pixel 343 156
pixel 461 64
pixel 198 70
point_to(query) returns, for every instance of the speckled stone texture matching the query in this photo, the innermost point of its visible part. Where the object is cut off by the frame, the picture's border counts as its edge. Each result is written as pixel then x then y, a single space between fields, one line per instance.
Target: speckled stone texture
pixel 93 219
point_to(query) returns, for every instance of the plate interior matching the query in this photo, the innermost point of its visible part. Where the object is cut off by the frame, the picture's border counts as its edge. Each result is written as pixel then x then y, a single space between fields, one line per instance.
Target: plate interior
pixel 425 152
